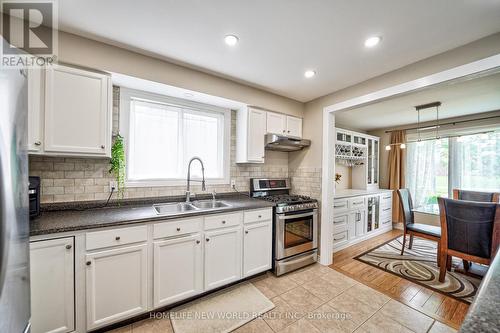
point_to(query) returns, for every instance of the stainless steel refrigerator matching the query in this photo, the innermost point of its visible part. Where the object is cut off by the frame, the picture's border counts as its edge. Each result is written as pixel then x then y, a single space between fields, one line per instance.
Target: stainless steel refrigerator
pixel 14 220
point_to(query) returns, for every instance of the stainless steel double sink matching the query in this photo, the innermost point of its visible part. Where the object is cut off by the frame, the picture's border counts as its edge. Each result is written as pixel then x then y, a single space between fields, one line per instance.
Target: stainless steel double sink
pixel 177 208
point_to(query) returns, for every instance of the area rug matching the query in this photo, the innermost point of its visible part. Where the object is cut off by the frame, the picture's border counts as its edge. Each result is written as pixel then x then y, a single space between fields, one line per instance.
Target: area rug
pixel 419 266
pixel 222 311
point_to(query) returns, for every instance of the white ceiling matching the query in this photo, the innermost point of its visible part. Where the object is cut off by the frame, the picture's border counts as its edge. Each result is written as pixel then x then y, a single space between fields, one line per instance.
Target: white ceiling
pixel 280 39
pixel 458 99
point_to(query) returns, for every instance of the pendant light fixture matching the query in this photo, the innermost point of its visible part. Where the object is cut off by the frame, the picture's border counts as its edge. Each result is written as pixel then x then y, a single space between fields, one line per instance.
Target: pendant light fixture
pixel 420 129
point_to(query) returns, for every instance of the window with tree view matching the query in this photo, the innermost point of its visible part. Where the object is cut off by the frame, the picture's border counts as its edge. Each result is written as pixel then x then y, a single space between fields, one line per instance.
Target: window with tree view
pixel 435 167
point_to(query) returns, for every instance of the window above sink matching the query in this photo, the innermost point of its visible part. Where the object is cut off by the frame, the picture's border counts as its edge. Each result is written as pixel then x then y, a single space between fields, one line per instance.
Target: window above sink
pixel 162 133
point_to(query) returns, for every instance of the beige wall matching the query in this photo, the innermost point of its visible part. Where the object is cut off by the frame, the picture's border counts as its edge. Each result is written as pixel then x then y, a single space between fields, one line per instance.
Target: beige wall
pixel 89 53
pixel 313 116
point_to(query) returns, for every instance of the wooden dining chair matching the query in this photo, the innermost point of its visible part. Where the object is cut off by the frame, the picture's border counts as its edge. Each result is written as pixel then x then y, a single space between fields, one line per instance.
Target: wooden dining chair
pixel 469 230
pixel 415 229
pixel 475 196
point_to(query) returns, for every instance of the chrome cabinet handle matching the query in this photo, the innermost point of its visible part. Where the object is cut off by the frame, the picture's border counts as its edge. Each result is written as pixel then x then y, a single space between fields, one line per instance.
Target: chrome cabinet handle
pixel 88 263
pixel 335 239
pixel 117 238
pixel 102 146
pixel 386 209
pixel 207 239
pixel 38 143
pixel 246 231
pixel 260 216
pixel 68 247
pixel 178 229
pixel 223 222
pixel 197 242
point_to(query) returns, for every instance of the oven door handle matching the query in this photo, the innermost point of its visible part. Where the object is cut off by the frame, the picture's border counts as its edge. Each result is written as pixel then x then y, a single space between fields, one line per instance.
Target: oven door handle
pixel 294 216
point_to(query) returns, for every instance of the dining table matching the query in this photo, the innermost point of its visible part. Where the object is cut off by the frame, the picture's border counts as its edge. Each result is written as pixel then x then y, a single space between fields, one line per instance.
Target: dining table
pixel 427 214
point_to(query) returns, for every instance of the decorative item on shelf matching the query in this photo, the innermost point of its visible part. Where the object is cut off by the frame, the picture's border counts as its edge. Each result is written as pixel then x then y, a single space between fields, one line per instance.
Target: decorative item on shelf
pixel 338 177
pixel 118 164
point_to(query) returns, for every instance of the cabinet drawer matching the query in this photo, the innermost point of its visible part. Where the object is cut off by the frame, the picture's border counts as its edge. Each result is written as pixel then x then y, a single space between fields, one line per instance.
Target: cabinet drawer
pixel 385 211
pixel 339 238
pixel 176 228
pixel 258 215
pixel 340 204
pixel 386 200
pixel 358 202
pixel 386 220
pixel 340 223
pixel 220 221
pixel 114 237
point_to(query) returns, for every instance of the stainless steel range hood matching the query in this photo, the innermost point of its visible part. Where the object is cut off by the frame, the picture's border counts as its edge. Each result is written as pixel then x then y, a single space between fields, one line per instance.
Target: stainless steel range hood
pixel 283 143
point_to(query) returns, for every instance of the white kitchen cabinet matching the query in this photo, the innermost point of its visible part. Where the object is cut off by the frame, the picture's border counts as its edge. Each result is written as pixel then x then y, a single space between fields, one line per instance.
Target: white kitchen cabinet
pixel 281 124
pixel 373 163
pixel 77 113
pixel 52 285
pixel 222 257
pixel 257 247
pixel 185 255
pixel 360 217
pixel 117 284
pixel 35 110
pixel 294 127
pixel 250 130
pixel 276 123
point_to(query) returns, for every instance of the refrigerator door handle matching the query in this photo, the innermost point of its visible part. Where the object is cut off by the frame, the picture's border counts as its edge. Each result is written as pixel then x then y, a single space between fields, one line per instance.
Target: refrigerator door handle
pixel 3 223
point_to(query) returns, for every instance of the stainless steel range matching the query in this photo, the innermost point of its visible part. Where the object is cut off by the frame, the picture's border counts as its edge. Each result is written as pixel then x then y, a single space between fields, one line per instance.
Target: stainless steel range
pixel 295 224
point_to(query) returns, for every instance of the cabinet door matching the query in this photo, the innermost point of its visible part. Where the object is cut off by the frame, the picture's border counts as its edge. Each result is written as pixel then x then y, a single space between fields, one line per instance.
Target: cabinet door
pixel 257 247
pixel 186 280
pixel 276 123
pixel 52 286
pixel 77 112
pixel 294 126
pixel 256 132
pixel 351 227
pixel 117 284
pixel 35 110
pixel 222 257
pixel 360 224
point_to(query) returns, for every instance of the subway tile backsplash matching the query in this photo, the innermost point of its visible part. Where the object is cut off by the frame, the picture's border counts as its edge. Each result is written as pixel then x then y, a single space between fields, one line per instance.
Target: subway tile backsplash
pixel 81 179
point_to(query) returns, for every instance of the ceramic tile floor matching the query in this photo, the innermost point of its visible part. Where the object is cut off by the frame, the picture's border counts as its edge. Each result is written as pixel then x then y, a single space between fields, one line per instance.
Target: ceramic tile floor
pixel 319 299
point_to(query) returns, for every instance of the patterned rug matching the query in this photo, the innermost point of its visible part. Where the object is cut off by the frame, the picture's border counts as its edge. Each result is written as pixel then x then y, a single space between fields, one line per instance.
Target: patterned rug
pixel 419 265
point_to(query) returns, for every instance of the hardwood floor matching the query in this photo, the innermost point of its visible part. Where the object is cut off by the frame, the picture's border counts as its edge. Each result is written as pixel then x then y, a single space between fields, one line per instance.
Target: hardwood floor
pixel 443 308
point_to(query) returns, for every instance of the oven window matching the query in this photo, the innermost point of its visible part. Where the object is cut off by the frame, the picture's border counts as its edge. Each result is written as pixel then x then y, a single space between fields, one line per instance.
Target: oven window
pixel 298 231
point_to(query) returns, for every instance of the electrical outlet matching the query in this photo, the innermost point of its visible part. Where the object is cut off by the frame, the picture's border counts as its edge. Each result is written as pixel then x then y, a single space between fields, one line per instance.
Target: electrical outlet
pixel 233 183
pixel 113 186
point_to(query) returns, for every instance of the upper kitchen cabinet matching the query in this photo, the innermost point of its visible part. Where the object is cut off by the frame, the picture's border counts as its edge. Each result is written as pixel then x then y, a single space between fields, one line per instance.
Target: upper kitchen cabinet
pixel 250 131
pixel 70 108
pixel 284 125
pixel 360 152
pixel 77 112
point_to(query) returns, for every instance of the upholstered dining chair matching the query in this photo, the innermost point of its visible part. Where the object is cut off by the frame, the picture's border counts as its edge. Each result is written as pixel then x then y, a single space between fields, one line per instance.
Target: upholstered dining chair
pixel 469 230
pixel 415 229
pixel 475 196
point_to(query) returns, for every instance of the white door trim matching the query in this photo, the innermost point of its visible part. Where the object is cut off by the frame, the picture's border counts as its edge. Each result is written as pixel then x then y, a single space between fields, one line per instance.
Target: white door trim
pixel 328 163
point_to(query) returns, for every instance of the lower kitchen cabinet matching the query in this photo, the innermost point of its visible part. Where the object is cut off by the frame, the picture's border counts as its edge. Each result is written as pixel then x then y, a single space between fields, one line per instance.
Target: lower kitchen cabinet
pixel 222 257
pixel 117 284
pixel 178 269
pixel 52 285
pixel 257 248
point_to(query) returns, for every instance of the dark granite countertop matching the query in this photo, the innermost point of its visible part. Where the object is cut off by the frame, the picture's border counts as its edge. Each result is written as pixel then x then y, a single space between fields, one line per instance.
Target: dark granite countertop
pixel 86 215
pixel 484 313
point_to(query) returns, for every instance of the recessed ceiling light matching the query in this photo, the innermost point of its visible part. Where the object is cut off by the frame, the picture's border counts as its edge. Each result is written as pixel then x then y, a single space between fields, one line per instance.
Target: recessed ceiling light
pixel 231 40
pixel 309 74
pixel 372 41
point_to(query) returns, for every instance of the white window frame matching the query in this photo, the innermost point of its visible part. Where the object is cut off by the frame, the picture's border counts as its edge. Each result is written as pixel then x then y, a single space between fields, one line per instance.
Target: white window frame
pixel 126 94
